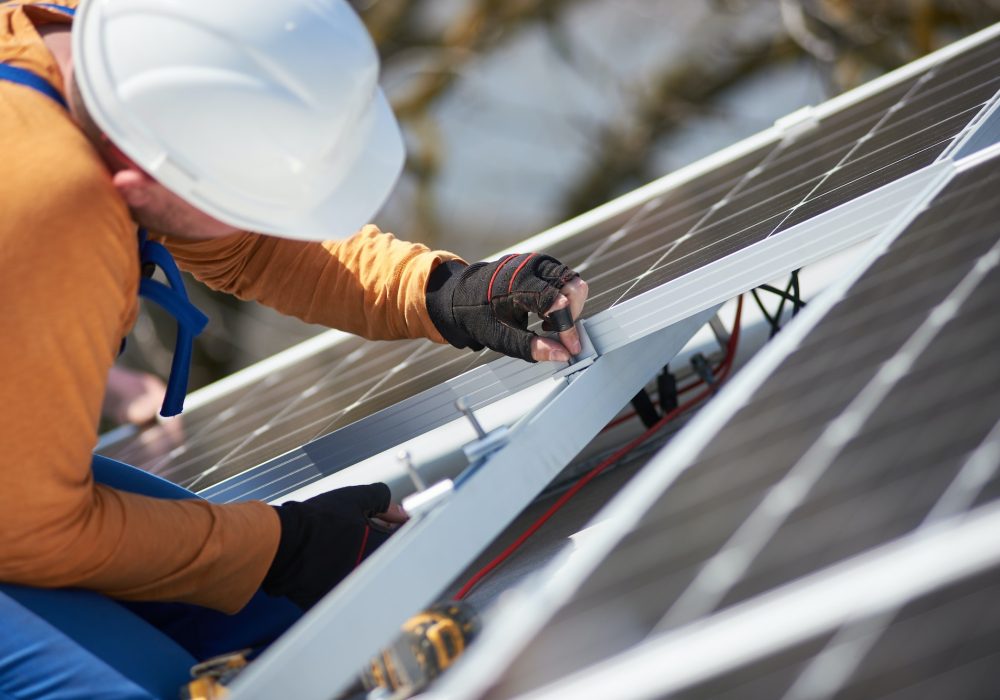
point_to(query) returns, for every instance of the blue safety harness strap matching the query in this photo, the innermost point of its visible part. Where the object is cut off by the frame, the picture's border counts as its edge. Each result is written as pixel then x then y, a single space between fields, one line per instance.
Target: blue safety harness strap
pixel 25 77
pixel 172 297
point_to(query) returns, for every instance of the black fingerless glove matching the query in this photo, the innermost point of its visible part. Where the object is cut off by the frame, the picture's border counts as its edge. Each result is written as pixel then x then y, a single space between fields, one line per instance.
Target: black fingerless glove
pixel 323 539
pixel 487 304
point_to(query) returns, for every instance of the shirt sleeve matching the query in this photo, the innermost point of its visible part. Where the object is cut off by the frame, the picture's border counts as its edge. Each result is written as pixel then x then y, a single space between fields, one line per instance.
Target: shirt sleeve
pixel 371 284
pixel 68 279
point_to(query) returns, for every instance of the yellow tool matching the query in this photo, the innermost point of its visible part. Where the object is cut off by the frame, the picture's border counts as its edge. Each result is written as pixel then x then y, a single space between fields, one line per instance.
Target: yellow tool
pixel 212 676
pixel 430 642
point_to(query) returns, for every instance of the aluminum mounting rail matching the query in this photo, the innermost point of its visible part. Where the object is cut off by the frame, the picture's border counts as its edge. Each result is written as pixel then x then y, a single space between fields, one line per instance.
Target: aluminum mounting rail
pixel 322 654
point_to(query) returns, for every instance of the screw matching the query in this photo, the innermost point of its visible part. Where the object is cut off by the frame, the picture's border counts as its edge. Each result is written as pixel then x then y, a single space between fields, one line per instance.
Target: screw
pixel 463 406
pixel 407 461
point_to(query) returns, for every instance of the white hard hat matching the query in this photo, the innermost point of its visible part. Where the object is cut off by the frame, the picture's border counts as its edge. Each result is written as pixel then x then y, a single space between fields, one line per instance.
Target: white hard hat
pixel 265 115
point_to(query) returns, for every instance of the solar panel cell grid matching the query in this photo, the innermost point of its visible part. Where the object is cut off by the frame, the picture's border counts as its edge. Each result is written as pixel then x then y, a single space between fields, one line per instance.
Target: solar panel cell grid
pixel 888 478
pixel 244 407
pixel 770 678
pixel 709 542
pixel 410 418
pixel 848 154
pixel 913 132
pixel 610 263
pixel 293 409
pixel 364 389
pixel 940 645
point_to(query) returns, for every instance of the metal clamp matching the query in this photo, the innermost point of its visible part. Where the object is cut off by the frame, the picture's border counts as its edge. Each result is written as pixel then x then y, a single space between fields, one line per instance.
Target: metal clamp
pixel 586 357
pixel 486 442
pixel 798 123
pixel 424 499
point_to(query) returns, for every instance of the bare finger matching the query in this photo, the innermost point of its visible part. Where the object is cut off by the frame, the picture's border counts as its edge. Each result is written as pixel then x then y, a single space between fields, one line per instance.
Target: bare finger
pixel 576 291
pixel 395 514
pixel 548 350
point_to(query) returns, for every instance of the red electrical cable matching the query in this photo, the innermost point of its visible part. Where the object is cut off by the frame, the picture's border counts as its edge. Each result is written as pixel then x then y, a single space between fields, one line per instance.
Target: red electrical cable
pixel 724 367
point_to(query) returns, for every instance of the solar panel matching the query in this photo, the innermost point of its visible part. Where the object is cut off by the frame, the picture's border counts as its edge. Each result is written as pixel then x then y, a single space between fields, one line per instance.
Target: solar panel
pixel 881 625
pixel 789 175
pixel 879 423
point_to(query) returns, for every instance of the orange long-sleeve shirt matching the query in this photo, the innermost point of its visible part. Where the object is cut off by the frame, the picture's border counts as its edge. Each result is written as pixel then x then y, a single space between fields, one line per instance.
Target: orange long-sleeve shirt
pixel 68 283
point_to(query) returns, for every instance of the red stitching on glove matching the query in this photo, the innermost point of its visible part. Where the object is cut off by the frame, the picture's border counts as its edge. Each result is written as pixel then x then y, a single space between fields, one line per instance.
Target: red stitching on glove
pixel 364 541
pixel 511 287
pixel 489 290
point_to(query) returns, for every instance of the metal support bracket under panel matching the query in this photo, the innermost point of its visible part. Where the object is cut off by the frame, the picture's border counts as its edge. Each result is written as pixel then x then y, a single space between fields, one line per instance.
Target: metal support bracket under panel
pixel 322 654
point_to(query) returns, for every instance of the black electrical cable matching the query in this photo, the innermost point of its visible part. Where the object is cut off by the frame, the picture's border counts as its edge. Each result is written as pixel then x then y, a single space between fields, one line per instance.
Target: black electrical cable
pixel 792 293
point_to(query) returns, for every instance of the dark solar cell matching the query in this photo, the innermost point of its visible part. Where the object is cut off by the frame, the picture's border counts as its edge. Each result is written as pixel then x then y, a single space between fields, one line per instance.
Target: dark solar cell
pixel 944 644
pixel 413 416
pixel 769 678
pixel 297 399
pixel 847 155
pixel 912 134
pixel 803 408
pixel 888 478
pixel 654 223
pixel 244 409
pixel 612 264
pixel 982 58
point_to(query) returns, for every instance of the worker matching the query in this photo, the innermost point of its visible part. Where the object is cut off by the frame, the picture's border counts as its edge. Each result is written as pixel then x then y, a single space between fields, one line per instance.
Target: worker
pixel 243 141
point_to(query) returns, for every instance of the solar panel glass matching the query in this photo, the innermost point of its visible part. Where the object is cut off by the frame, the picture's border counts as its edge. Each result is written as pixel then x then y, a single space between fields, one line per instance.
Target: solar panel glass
pixel 864 433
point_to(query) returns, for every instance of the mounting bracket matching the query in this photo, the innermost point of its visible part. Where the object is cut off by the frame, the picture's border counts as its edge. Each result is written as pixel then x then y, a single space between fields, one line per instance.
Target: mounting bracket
pixel 323 652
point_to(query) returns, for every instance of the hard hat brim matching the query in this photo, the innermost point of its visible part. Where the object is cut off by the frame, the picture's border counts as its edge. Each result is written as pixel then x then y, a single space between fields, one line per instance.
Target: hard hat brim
pixel 372 177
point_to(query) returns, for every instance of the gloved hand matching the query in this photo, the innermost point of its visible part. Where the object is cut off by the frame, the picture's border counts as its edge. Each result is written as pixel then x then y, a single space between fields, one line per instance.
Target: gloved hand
pixel 487 304
pixel 324 538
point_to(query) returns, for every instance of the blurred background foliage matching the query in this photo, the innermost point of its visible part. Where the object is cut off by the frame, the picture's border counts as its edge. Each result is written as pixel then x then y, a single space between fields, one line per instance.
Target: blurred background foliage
pixel 521 113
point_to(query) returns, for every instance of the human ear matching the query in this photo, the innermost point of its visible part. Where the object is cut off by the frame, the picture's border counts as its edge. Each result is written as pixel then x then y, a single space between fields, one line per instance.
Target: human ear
pixel 134 186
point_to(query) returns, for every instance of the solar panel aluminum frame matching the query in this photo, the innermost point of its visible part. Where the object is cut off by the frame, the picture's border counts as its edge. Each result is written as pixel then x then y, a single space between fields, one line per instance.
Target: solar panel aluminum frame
pixel 526 610
pixel 320 655
pixel 980 134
